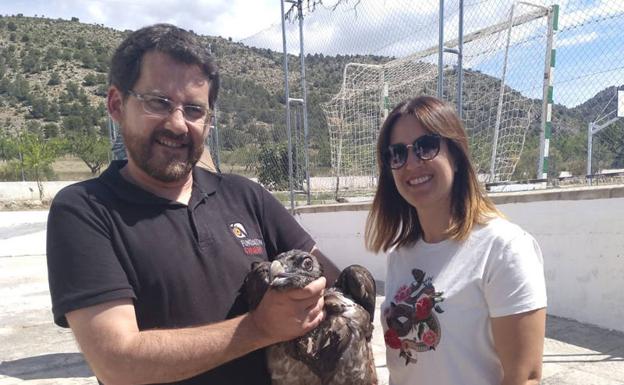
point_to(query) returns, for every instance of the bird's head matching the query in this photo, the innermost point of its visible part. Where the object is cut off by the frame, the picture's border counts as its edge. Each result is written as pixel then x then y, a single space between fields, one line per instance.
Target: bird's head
pixel 294 269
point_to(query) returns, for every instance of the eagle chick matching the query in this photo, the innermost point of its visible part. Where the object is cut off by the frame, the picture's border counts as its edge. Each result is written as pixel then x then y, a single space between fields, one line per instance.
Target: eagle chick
pixel 338 351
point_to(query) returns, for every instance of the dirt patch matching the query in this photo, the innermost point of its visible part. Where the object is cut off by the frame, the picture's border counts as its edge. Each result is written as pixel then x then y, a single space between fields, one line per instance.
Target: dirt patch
pixel 24 205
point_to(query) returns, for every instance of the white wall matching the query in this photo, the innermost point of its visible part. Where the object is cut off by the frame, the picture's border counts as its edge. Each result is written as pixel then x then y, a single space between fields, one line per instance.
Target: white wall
pixel 28 191
pixel 582 241
pixel 583 246
pixel 581 233
pixel 340 235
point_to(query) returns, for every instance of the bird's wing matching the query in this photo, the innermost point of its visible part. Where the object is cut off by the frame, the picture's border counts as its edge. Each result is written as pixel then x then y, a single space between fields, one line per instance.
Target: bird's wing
pixel 358 283
pixel 256 283
pixel 322 348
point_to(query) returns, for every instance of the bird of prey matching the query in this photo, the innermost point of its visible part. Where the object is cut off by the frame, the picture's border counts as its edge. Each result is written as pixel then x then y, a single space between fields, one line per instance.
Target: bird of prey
pixel 338 351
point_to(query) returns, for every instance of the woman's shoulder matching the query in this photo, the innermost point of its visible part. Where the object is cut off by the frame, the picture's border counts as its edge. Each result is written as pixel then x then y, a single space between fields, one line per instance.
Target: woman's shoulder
pixel 421 247
pixel 499 229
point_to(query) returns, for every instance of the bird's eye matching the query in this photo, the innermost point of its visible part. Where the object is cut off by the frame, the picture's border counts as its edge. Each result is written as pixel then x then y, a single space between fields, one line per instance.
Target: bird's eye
pixel 307 264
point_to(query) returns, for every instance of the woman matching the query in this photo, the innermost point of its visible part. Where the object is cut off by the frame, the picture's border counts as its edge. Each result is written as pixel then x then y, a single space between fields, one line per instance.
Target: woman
pixel 465 292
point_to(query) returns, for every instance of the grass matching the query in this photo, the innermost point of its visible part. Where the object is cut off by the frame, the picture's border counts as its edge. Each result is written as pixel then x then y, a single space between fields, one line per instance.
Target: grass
pixel 71 168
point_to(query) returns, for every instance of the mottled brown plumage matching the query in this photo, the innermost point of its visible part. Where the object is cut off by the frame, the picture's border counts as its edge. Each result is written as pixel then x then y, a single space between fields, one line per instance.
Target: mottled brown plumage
pixel 339 350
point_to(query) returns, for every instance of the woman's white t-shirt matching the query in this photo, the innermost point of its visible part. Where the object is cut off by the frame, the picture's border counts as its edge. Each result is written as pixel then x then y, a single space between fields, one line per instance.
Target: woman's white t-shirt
pixel 440 297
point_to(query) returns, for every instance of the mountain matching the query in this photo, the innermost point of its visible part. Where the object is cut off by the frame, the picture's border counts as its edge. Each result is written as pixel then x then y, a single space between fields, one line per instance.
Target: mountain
pixel 53 79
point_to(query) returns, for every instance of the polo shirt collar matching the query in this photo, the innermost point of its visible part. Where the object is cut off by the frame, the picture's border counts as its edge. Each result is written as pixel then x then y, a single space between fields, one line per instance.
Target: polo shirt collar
pixel 205 181
pixel 204 184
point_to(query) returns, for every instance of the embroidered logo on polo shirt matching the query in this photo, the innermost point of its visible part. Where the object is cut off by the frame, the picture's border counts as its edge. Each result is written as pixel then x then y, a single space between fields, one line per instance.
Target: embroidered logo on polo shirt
pixel 238 230
pixel 251 246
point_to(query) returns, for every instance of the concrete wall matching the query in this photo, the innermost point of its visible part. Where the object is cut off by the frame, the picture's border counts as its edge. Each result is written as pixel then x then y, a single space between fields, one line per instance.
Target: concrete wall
pixel 28 191
pixel 580 231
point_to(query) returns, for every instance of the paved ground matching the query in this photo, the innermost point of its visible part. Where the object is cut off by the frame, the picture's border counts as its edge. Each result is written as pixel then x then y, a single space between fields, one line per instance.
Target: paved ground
pixel 34 351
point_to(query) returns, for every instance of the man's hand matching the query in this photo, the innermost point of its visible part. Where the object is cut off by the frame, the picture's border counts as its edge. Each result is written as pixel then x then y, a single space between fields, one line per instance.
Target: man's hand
pixel 284 315
pixel 119 353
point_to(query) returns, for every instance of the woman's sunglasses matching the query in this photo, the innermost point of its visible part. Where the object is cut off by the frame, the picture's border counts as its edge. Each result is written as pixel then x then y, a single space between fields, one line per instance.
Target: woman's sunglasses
pixel 425 147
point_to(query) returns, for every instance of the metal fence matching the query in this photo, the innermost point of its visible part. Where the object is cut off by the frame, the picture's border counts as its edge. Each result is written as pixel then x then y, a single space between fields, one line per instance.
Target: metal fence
pixel 537 77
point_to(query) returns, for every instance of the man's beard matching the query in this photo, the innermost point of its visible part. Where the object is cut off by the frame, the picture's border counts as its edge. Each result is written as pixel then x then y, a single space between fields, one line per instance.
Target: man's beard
pixel 164 168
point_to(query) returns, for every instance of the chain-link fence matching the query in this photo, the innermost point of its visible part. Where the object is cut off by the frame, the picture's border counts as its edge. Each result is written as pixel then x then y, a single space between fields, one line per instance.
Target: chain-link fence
pixel 589 73
pixel 362 57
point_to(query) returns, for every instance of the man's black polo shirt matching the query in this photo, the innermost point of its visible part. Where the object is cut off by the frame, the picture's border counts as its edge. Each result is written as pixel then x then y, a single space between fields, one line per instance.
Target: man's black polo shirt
pixel 182 265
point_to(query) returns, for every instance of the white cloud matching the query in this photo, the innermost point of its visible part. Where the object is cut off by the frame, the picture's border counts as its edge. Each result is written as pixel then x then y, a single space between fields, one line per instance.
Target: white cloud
pixel 96 12
pixel 365 27
pixel 602 9
pixel 242 18
pixel 227 18
pixel 578 39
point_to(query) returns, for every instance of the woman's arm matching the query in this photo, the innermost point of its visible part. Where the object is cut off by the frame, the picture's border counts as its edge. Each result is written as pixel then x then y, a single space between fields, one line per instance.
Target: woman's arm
pixel 519 342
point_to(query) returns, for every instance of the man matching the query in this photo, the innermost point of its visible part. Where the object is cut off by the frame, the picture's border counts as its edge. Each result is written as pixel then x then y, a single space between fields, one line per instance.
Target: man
pixel 146 261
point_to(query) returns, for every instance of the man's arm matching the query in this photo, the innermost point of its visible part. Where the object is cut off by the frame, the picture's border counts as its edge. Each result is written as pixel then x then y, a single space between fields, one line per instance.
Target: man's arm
pixel 330 270
pixel 119 353
pixel 519 342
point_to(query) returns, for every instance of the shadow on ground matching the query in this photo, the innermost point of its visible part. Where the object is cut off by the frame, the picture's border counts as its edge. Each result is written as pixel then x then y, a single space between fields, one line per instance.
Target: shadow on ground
pixel 47 366
pixel 21 229
pixel 592 344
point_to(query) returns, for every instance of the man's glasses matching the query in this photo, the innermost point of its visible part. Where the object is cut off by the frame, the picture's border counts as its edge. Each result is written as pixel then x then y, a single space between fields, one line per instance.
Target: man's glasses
pixel 425 147
pixel 160 106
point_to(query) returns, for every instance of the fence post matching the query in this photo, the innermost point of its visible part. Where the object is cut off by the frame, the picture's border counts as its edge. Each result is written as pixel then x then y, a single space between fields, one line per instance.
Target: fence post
pixel 287 92
pixel 215 135
pixel 460 60
pixel 547 99
pixel 441 51
pixel 305 99
pixel 590 128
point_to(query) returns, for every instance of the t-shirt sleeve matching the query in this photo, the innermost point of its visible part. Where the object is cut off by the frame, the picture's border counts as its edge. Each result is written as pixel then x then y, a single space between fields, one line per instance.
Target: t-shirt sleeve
pixel 83 269
pixel 281 231
pixel 514 281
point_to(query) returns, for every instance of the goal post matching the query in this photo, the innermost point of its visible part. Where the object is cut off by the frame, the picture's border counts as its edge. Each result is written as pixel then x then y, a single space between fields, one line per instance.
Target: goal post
pixel 500 93
pixel 600 124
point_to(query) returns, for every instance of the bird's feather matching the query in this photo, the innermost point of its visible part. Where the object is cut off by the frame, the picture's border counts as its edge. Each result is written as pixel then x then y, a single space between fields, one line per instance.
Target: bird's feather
pixel 338 351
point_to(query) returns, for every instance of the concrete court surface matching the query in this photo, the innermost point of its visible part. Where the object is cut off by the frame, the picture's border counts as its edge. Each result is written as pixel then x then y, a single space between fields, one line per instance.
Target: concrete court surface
pixel 36 352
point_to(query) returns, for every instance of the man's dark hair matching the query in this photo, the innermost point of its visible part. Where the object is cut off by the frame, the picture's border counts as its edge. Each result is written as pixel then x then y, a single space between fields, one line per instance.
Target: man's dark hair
pixel 178 43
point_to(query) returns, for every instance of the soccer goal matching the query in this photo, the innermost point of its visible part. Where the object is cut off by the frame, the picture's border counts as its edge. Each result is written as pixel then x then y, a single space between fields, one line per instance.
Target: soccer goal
pixel 502 91
pixel 607 128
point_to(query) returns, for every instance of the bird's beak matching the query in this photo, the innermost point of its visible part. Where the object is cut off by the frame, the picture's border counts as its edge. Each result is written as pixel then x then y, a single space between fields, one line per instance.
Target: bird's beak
pixel 276 269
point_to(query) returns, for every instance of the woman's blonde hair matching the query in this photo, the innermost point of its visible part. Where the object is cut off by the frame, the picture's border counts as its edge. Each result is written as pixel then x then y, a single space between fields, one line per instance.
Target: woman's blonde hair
pixel 392 221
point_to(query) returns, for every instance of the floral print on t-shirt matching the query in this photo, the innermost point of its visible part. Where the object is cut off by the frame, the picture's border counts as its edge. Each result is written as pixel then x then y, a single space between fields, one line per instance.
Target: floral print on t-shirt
pixel 413 325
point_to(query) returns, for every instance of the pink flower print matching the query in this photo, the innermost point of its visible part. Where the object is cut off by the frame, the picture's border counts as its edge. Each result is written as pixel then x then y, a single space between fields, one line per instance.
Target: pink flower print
pixel 429 338
pixel 402 294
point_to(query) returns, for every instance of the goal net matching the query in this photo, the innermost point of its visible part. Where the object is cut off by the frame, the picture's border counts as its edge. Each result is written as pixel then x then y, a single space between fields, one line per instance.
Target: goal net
pixel 501 97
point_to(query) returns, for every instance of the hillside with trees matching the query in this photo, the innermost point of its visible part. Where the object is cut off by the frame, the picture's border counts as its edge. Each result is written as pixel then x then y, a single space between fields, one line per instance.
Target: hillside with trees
pixel 53 82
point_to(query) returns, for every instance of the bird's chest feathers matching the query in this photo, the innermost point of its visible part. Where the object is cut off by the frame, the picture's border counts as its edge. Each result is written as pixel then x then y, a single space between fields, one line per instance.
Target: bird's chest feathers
pixel 323 349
